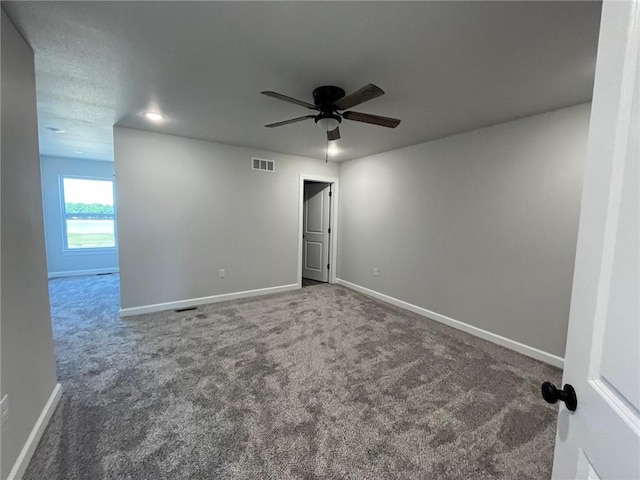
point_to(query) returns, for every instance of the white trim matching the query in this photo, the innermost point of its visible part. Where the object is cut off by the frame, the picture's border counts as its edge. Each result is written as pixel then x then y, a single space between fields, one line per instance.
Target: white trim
pixel 333 223
pixel 465 327
pixel 22 462
pixel 78 273
pixel 89 251
pixel 192 302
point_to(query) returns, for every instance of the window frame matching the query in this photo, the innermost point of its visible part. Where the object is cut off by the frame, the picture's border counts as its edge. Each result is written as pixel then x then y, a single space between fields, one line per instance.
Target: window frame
pixel 63 215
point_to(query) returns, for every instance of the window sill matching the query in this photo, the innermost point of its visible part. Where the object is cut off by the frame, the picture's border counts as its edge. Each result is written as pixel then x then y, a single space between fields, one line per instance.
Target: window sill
pixel 89 251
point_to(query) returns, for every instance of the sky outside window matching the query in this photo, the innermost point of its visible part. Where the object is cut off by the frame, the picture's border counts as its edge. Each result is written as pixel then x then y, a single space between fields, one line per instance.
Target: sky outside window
pixel 80 190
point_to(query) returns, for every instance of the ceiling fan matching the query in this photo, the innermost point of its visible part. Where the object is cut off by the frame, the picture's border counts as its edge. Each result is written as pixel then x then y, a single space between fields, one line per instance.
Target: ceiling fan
pixel 328 100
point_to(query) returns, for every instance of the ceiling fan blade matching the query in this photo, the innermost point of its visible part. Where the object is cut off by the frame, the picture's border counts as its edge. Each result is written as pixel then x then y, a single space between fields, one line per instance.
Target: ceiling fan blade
pixel 373 119
pixel 279 96
pixel 366 93
pixel 333 134
pixel 287 122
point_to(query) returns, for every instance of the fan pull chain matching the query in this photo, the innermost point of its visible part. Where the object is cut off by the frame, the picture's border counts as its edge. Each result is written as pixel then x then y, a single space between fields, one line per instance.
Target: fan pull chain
pixel 326 148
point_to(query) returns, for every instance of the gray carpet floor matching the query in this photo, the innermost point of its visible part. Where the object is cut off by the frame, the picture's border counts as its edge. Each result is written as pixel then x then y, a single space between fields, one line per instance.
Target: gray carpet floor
pixel 318 383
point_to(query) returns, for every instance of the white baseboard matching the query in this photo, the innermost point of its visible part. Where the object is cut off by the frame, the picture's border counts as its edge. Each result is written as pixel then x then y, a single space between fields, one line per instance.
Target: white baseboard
pixel 77 273
pixel 22 462
pixel 193 302
pixel 465 327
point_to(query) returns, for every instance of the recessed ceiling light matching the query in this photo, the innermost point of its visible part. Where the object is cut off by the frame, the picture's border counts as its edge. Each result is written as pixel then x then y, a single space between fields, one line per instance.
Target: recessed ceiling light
pixel 78 151
pixel 56 130
pixel 156 117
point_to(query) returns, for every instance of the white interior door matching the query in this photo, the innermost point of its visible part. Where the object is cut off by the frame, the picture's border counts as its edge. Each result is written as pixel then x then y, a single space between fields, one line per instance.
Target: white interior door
pixel 315 231
pixel 601 439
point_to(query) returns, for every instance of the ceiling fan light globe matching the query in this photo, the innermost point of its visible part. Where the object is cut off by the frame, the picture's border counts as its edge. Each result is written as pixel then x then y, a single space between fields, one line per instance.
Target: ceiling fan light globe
pixel 328 123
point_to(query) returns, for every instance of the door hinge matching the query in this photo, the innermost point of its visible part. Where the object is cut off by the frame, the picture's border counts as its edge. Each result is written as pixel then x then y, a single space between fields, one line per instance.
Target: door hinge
pixel 329 231
pixel 330 193
pixel 328 266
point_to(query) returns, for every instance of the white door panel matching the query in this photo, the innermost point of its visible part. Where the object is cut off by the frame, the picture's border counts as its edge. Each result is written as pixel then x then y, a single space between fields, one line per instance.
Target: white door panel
pixel 315 230
pixel 313 259
pixel 601 439
pixel 315 212
pixel 585 469
pixel 621 338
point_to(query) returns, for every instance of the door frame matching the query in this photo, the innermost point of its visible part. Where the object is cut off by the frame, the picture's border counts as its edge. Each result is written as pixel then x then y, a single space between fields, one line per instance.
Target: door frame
pixel 333 223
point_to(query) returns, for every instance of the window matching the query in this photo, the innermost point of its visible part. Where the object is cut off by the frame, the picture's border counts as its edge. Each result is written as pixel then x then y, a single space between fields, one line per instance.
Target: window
pixel 88 213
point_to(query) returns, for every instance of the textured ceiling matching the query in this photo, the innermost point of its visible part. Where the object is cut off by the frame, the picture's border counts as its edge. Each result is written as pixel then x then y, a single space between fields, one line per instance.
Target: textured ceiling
pixel 446 67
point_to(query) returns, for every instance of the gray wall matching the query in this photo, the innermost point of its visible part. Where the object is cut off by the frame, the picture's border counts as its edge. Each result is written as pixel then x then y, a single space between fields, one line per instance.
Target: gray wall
pixel 59 262
pixel 28 366
pixel 480 227
pixel 188 208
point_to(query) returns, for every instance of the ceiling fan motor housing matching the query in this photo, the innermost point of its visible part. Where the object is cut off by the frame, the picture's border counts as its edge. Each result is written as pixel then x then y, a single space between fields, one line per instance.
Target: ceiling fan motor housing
pixel 324 97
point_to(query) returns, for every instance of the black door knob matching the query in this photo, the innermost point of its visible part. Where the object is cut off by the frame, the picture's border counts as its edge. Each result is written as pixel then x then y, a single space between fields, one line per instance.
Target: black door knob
pixel 568 395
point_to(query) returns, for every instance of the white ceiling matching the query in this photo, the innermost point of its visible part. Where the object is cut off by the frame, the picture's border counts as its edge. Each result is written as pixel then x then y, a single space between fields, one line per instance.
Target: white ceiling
pixel 446 67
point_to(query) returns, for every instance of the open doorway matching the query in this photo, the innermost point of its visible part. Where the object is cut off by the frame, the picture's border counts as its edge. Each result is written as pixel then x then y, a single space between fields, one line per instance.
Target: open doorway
pixel 317 230
pixel 80 216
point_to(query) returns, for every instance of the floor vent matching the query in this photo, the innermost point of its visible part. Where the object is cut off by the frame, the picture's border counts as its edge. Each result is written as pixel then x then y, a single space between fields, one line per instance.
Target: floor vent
pixel 185 309
pixel 263 165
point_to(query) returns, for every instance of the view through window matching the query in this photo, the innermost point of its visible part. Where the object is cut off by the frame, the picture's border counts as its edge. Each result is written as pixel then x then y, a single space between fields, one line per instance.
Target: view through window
pixel 89 213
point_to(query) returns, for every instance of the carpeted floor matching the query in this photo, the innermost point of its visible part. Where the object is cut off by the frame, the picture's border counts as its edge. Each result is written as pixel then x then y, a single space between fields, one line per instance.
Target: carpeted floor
pixel 317 383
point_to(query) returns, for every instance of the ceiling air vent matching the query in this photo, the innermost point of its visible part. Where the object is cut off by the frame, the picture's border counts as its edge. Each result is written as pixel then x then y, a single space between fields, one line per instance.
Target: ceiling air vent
pixel 262 164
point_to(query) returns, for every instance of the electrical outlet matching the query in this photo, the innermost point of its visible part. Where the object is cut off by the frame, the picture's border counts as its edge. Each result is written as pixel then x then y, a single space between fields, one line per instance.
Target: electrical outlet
pixel 375 272
pixel 4 409
pixel 222 273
